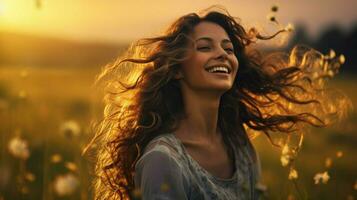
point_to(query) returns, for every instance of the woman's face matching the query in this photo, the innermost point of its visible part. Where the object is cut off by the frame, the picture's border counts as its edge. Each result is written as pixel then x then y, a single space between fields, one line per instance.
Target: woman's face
pixel 211 64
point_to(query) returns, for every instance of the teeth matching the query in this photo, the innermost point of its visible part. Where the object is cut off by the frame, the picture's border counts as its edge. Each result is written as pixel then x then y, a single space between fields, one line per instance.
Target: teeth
pixel 214 69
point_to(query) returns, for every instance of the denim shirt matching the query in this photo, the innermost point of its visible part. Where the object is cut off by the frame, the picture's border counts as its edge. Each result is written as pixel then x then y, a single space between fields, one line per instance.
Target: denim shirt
pixel 167 171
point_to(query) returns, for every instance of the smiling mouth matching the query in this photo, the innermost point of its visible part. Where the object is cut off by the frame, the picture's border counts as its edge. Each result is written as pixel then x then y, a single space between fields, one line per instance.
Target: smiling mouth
pixel 219 69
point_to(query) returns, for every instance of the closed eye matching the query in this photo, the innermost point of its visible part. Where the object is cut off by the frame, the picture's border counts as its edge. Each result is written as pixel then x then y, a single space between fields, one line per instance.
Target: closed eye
pixel 203 48
pixel 230 50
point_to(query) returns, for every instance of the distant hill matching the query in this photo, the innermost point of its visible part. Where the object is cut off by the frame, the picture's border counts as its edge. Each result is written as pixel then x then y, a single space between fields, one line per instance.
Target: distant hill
pixel 22 49
pixel 333 37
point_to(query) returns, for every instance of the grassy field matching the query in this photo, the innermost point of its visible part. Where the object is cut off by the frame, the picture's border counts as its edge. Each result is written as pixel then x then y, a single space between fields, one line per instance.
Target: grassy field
pixel 50 110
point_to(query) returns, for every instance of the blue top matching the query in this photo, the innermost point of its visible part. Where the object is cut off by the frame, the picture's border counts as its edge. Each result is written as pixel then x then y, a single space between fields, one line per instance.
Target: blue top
pixel 167 171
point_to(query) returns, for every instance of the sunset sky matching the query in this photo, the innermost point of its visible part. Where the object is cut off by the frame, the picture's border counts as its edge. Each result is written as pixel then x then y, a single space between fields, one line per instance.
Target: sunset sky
pixel 119 20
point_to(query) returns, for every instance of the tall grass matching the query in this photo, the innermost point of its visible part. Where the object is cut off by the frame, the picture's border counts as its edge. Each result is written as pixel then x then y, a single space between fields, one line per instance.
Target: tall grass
pixel 49 111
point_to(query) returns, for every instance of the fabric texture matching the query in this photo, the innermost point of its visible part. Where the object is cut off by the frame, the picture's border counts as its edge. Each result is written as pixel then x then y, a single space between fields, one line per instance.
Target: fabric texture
pixel 166 171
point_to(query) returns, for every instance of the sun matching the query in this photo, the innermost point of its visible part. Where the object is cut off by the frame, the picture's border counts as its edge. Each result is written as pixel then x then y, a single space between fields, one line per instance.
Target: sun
pixel 22 16
pixel 15 13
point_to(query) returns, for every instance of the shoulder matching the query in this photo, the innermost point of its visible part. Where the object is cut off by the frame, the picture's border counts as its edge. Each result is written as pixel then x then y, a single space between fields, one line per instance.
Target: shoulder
pixel 159 167
pixel 162 150
pixel 163 144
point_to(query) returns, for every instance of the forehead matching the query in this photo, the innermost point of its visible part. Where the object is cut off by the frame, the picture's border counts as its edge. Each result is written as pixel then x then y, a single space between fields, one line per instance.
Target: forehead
pixel 209 29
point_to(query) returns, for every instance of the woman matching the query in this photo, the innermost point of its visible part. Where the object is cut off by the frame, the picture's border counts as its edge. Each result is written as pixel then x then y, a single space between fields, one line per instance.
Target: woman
pixel 178 106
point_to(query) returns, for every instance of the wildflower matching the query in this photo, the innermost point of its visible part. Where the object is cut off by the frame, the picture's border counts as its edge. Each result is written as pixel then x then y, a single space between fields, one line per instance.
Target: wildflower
pixel 30 176
pixel 339 154
pixel 330 73
pixel 293 174
pixel 289 27
pixel 342 59
pixel 291 197
pixel 24 190
pixel 324 177
pixel 328 162
pixel 56 158
pixel 274 8
pixel 65 184
pixel 136 193
pixel 22 94
pixel 285 149
pixel 23 74
pixel 71 166
pixel 332 54
pixel 271 17
pixel 284 161
pixel 322 61
pixel 70 129
pixel 285 156
pixel 19 148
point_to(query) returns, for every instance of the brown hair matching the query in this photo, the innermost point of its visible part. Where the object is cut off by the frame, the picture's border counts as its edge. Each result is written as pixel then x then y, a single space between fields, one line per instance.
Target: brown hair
pixel 277 92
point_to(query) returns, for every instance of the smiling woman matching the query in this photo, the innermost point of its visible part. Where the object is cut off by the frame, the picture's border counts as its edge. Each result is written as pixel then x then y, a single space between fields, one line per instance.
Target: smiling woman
pixel 209 41
pixel 177 108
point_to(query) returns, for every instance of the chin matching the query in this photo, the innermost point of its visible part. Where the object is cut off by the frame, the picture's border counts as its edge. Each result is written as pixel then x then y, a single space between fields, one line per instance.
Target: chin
pixel 223 88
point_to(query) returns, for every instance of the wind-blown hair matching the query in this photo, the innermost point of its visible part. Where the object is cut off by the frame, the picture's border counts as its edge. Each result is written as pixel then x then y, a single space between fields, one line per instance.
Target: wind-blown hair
pixel 277 92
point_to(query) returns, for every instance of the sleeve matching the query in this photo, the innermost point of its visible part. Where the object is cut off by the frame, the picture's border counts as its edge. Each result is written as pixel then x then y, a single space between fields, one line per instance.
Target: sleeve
pixel 260 189
pixel 159 177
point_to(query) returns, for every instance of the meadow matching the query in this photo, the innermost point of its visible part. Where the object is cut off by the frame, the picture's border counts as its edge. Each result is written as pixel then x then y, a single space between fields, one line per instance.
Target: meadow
pixel 45 122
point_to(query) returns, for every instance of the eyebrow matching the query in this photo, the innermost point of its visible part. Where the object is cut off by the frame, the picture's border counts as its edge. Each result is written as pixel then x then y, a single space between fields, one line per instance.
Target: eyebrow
pixel 210 39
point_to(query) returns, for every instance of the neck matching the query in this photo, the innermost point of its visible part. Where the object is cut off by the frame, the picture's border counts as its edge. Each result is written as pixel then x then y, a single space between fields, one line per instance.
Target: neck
pixel 201 109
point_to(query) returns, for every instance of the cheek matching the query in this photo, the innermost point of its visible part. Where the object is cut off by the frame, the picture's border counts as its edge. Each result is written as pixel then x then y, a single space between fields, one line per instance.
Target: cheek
pixel 199 59
pixel 235 63
pixel 195 63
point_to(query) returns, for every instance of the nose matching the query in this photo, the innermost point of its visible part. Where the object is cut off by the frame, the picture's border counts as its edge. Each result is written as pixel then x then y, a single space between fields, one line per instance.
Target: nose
pixel 221 54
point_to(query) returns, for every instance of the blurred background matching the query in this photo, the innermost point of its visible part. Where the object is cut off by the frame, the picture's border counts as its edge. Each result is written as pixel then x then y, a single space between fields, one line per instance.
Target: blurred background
pixel 50 52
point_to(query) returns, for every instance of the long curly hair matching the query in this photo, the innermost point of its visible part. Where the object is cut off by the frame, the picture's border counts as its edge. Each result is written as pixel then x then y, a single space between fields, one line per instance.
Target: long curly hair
pixel 275 92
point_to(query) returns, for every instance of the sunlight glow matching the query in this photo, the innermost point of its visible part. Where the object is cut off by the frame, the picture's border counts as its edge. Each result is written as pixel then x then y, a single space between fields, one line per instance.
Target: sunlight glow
pixel 113 20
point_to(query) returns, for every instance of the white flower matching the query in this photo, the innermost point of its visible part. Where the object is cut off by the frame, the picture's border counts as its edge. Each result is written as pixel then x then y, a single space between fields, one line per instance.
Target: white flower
pixel 24 74
pixel 70 128
pixel 332 53
pixel 71 166
pixel 285 149
pixel 19 148
pixel 284 160
pixel 285 156
pixel 293 174
pixel 324 177
pixel 339 154
pixel 289 27
pixel 271 17
pixel 22 94
pixel 66 184
pixel 342 59
pixel 56 158
pixel 30 176
pixel 328 162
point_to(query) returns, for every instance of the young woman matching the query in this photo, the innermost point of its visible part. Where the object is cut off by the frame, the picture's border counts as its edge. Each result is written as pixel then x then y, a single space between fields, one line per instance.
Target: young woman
pixel 178 106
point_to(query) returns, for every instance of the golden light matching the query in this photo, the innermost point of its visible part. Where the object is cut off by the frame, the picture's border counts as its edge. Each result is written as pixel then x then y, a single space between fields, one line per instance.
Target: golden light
pixel 55 18
pixel 18 15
